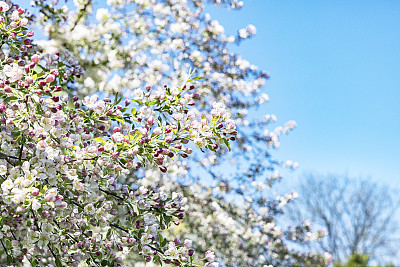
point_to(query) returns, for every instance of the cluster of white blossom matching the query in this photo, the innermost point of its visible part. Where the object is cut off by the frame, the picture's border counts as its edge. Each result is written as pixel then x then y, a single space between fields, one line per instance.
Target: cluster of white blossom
pixel 61 159
pixel 135 44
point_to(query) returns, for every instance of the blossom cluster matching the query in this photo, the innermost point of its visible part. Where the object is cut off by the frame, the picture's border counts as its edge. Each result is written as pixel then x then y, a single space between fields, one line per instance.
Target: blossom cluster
pixel 61 158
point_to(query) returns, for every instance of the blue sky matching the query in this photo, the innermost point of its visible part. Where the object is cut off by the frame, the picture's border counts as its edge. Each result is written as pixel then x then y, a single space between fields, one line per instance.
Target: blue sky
pixel 334 69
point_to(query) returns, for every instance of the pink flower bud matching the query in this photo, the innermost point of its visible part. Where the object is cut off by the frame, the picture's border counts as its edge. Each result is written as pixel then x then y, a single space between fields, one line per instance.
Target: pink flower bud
pixel 24 22
pixel 50 78
pixel 35 58
pixel 28 79
pixel 163 169
pixel 35 192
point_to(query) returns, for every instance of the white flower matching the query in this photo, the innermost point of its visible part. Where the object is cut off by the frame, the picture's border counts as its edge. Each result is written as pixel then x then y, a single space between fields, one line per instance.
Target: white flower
pixel 13 71
pixel 200 142
pixel 43 240
pixel 143 131
pixel 24 22
pixel 178 116
pixel 90 209
pixel 101 14
pixel 36 204
pixel 51 194
pixel 92 149
pixel 157 131
pixel 88 82
pixel 99 107
pixel 3 169
pixel 47 227
pixel 146 239
pixel 41 145
pixel 77 185
pixel 108 146
pixel 210 256
pixel 188 243
pixel 251 29
pixel 7 185
pixel 15 16
pixel 146 250
pixel 230 125
pixel 4 6
pixel 138 94
pixel 243 33
pixel 175 90
pixel 89 101
pixel 118 137
pixel 19 195
pixel 146 111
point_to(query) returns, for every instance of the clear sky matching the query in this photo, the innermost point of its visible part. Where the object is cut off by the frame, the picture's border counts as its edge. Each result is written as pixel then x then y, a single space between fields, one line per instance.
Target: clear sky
pixel 335 70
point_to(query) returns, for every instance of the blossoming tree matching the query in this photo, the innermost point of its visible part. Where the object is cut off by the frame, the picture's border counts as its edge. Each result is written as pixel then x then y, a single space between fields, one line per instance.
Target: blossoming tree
pixel 59 165
pixel 98 181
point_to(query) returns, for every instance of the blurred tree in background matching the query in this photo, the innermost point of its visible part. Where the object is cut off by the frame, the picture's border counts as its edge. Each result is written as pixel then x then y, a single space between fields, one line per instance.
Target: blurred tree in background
pixel 359 215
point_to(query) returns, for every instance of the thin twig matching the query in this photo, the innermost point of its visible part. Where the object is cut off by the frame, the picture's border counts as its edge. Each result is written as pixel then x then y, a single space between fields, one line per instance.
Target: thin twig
pixel 112 194
pixel 5 249
pixel 80 14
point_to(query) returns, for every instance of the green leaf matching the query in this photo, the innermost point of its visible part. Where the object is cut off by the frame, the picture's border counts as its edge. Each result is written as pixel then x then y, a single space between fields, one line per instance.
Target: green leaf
pixel 72 251
pixel 163 241
pixel 137 101
pixel 8 243
pixel 98 139
pixel 227 144
pixel 211 148
pixel 152 102
pixel 157 259
pixel 108 233
pixel 215 120
pixel 167 220
pixel 117 100
pixel 116 118
pixel 9 260
pixel 104 263
pixel 133 112
pixel 58 262
pixel 34 263
pixel 15 132
pixel 39 70
pixel 10 98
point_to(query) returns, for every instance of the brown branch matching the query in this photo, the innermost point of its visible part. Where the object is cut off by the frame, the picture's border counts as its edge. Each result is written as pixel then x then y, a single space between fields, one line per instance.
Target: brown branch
pixel 80 14
pixel 5 249
pixel 112 194
pixel 119 227
pixel 84 159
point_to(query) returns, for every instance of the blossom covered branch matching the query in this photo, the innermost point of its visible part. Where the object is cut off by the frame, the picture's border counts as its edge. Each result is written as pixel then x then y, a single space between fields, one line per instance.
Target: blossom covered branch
pixel 61 158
